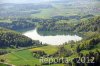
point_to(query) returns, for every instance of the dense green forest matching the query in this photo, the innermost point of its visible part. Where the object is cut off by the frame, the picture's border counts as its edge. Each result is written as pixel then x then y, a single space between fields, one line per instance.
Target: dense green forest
pixel 12 39
pixel 16 25
pixel 91 24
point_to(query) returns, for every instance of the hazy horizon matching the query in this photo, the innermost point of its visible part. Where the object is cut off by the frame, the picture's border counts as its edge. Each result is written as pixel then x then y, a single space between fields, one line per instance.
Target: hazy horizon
pixel 24 1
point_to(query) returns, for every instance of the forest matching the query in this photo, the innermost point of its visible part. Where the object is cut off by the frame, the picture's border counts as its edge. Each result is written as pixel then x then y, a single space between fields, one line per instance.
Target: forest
pixel 12 39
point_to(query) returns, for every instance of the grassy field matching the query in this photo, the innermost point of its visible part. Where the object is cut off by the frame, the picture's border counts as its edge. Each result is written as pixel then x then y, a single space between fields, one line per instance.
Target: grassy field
pixel 7 21
pixel 23 57
pixel 20 58
pixel 46 49
pixel 57 10
pixel 62 9
pixel 2 64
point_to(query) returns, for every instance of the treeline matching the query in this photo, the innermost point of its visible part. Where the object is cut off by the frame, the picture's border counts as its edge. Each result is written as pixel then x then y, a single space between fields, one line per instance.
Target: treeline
pixel 91 24
pixel 12 39
pixel 17 25
pixel 72 17
pixel 2 52
pixel 52 26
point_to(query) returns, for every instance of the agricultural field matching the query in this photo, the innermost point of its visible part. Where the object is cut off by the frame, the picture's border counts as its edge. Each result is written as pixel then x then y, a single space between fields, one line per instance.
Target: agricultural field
pixel 6 21
pixel 25 56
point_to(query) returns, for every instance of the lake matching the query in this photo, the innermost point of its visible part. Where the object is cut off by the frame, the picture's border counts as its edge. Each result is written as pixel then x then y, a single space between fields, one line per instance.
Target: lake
pixel 51 39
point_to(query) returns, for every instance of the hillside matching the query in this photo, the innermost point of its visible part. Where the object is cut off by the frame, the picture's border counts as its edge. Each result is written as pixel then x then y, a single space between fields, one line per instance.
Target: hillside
pixel 64 24
pixel 47 10
pixel 12 39
pixel 92 24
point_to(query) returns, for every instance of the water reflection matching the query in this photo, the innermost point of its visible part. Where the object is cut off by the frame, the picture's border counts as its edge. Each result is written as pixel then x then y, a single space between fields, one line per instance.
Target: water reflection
pixel 53 39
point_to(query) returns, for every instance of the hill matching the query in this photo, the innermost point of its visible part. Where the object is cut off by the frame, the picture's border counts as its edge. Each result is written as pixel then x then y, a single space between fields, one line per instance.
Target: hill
pixel 9 38
pixel 92 24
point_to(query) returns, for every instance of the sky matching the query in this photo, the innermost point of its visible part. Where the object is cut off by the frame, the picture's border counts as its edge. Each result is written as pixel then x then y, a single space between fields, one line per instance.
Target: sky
pixel 23 1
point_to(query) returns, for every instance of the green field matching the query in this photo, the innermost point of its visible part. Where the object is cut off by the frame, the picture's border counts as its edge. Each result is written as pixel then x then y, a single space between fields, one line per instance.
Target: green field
pixel 47 49
pixel 2 64
pixel 56 11
pixel 20 58
pixel 25 56
pixel 63 9
pixel 7 21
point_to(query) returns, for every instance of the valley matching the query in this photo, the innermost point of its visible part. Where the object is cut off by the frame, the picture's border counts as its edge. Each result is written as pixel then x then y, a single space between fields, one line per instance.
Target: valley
pixel 67 31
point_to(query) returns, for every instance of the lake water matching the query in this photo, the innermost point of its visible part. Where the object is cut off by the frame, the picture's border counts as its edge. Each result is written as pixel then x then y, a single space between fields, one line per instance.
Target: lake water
pixel 51 39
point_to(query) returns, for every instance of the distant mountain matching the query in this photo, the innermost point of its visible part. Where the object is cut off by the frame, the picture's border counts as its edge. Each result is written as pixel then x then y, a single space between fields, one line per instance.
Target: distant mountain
pixel 78 1
pixel 23 1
